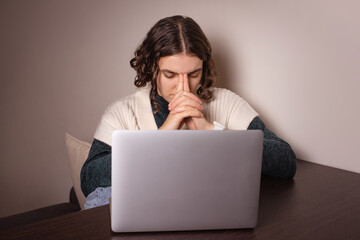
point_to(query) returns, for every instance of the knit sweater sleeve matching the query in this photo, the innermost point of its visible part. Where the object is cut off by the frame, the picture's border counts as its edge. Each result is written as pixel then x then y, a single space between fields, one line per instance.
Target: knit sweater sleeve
pixel 279 159
pixel 120 115
pixel 96 171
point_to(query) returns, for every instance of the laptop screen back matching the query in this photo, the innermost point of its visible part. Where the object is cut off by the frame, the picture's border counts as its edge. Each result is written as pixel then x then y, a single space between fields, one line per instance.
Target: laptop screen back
pixel 185 180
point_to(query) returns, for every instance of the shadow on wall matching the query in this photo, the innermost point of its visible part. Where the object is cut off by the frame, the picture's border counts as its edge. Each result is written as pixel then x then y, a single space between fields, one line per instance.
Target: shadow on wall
pixel 229 70
pixel 230 76
pixel 223 64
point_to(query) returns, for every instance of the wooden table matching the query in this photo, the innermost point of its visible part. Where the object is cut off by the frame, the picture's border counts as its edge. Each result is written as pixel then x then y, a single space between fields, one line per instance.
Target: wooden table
pixel 320 203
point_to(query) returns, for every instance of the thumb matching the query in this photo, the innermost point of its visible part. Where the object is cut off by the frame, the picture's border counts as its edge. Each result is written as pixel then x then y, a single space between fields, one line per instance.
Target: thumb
pixel 180 86
pixel 186 83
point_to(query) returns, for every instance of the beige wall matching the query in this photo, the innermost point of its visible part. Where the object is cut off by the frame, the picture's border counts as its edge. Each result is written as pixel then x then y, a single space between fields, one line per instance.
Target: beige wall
pixel 63 62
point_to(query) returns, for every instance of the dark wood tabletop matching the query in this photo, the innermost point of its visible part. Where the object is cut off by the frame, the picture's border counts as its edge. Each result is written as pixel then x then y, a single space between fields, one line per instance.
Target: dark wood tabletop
pixel 320 203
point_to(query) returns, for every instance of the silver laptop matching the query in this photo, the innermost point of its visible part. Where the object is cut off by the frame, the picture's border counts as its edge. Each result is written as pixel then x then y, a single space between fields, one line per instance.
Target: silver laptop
pixel 185 180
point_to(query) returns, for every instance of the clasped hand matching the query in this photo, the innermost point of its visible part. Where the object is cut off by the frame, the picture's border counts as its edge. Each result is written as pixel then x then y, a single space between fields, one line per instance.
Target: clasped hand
pixel 185 108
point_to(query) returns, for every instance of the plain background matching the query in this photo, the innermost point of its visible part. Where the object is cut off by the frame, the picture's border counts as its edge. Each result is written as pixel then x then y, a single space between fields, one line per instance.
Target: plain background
pixel 63 62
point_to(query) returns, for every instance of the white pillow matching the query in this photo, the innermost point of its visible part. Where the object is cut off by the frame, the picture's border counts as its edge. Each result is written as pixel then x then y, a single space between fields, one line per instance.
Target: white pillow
pixel 78 152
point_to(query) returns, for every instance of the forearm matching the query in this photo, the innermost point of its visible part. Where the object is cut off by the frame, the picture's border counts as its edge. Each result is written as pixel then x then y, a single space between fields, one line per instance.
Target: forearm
pixel 96 171
pixel 279 159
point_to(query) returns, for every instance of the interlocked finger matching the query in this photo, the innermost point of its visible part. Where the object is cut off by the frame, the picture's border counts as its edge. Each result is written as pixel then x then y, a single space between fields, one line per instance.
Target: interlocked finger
pixel 184 104
pixel 181 96
pixel 189 112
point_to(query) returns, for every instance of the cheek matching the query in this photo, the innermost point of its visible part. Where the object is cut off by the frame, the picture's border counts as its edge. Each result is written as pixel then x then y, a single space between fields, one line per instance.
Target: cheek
pixel 194 84
pixel 166 86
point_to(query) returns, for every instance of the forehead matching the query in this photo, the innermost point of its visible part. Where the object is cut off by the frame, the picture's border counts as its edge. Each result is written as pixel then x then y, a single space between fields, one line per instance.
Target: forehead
pixel 180 63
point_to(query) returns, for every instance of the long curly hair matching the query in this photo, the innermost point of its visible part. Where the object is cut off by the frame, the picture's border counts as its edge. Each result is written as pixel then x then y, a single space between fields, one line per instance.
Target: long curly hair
pixel 169 36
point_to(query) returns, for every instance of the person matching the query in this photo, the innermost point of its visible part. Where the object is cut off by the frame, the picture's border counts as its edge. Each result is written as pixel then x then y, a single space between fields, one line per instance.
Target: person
pixel 175 78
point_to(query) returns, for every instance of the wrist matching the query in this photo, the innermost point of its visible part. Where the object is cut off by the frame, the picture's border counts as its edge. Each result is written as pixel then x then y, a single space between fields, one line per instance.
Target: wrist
pixel 210 126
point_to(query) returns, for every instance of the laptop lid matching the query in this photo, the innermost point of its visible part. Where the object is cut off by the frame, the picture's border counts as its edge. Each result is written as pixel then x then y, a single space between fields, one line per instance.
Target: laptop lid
pixel 185 180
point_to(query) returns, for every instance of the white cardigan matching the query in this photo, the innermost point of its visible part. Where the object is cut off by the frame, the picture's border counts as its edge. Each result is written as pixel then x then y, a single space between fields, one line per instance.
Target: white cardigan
pixel 134 112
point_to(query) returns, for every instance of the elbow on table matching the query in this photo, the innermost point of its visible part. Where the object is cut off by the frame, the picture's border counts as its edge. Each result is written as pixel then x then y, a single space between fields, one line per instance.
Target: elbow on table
pixel 291 169
pixel 292 165
pixel 280 162
pixel 284 171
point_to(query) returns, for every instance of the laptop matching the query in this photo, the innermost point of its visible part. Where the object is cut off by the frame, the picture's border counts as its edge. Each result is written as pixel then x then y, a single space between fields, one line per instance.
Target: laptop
pixel 185 180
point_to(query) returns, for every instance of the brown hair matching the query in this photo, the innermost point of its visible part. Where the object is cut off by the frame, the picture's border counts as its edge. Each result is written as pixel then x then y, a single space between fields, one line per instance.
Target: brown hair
pixel 169 36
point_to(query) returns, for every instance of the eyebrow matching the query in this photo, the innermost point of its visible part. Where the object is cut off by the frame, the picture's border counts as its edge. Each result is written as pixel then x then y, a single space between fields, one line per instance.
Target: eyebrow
pixel 171 72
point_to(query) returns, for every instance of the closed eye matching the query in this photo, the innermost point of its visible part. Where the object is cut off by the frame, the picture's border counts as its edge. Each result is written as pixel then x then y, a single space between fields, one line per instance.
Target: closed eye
pixel 169 75
pixel 194 76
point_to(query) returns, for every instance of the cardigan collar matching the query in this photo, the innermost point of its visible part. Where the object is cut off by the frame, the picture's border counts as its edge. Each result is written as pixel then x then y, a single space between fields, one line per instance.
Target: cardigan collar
pixel 143 110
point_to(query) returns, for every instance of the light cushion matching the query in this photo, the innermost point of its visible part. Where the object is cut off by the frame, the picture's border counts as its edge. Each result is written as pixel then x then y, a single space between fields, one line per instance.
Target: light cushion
pixel 78 152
